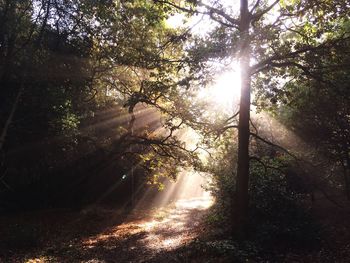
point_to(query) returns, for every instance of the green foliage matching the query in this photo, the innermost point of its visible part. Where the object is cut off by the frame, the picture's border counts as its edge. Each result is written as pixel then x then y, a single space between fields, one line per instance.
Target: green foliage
pixel 316 107
pixel 276 209
pixel 278 218
pixel 77 63
pixel 86 67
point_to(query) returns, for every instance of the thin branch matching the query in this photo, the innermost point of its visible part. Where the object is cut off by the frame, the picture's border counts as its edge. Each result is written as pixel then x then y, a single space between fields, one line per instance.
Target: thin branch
pixel 147 141
pixel 179 37
pixel 92 96
pixel 257 16
pixel 261 65
pixel 183 9
pixel 255 128
pixel 172 129
pixel 274 145
pixel 255 6
pixel 211 15
pixel 232 117
pixel 223 130
pixel 233 21
pixel 210 10
pixel 303 68
pixel 266 166
pixel 229 127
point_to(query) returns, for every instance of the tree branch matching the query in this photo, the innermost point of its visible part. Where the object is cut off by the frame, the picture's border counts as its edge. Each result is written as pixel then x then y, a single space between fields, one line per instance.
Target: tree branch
pixel 274 145
pixel 262 65
pixel 233 21
pixel 266 167
pixel 257 16
pixel 255 6
pixel 210 11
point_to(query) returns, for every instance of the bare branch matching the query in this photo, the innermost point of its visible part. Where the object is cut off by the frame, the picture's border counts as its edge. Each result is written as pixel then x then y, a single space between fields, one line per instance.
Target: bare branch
pixel 223 130
pixel 210 11
pixel 274 145
pixel 276 57
pixel 255 6
pixel 232 117
pixel 233 21
pixel 184 9
pixel 216 19
pixel 303 68
pixel 257 16
pixel 266 166
pixel 255 128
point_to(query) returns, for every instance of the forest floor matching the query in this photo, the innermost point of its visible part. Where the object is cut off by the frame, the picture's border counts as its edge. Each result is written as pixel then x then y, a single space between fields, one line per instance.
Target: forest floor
pixel 102 235
pixel 175 232
pixel 96 234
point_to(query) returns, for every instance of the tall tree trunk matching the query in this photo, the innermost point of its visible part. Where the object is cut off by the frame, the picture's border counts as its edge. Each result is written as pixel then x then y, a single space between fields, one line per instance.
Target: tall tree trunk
pixel 241 196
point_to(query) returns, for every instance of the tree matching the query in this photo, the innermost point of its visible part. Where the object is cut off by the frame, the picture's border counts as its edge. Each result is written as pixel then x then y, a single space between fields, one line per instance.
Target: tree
pixel 270 39
pixel 70 60
pixel 307 109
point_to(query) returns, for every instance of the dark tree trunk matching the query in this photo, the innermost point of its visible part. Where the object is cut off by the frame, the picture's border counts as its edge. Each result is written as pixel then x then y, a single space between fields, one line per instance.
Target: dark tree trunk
pixel 242 180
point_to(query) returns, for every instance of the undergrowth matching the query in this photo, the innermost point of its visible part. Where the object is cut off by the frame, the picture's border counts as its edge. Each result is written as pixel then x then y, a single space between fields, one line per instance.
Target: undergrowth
pixel 279 221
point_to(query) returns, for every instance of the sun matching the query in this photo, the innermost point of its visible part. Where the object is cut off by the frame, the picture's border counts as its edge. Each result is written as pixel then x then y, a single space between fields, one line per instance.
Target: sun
pixel 175 21
pixel 225 91
pixel 227 87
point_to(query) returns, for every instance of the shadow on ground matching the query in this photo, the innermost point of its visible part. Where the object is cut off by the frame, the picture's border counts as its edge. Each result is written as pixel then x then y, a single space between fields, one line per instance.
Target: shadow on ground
pixel 101 235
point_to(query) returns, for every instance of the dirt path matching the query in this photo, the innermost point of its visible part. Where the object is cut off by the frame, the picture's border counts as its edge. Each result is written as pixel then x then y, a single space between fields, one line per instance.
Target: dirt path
pixel 101 235
pixel 145 239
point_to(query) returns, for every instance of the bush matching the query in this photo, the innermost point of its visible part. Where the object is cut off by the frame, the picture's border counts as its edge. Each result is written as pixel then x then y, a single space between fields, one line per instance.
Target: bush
pixel 277 221
pixel 277 216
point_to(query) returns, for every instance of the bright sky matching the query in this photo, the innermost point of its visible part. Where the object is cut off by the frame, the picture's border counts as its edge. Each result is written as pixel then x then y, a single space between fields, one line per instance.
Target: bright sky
pixel 225 91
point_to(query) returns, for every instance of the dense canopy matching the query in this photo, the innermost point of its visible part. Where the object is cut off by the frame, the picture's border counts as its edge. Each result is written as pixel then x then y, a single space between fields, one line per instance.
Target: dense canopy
pixel 107 103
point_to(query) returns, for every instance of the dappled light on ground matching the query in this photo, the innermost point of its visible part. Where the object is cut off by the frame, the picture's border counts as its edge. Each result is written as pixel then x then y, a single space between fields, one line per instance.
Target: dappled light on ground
pixel 172 226
pixel 96 234
pixel 167 226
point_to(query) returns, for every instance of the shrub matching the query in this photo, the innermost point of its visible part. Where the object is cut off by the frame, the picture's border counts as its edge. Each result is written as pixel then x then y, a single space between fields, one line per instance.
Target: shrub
pixel 277 221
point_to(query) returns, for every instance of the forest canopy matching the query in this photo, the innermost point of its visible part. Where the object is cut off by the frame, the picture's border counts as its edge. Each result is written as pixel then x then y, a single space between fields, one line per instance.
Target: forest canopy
pixel 100 90
pixel 118 105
